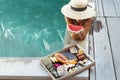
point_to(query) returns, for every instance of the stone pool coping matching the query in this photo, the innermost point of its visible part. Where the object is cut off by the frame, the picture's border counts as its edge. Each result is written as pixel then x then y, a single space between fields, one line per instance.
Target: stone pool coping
pixel 28 69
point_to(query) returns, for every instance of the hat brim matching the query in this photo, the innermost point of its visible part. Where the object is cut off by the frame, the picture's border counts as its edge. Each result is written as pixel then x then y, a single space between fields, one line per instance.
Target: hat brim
pixel 68 12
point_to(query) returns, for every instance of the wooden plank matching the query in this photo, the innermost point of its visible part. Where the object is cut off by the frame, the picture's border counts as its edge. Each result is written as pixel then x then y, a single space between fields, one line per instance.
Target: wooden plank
pixel 117 6
pixel 99 8
pixel 109 8
pixel 91 45
pixel 114 32
pixel 103 58
pixel 91 52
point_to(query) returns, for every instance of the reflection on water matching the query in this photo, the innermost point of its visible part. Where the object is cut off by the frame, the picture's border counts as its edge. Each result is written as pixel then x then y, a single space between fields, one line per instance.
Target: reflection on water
pixel 31 28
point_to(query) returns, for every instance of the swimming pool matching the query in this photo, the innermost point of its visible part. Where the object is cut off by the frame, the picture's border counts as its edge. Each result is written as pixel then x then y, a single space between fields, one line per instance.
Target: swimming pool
pixel 31 28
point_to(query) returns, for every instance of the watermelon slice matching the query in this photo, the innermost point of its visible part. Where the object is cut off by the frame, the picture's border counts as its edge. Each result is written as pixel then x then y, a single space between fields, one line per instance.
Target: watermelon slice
pixel 74 28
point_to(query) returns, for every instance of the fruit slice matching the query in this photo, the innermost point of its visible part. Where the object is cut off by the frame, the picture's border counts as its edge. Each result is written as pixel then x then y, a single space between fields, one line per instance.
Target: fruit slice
pixel 74 28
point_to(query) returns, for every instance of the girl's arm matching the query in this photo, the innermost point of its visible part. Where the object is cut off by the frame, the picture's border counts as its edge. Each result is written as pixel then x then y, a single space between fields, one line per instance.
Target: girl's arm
pixel 87 25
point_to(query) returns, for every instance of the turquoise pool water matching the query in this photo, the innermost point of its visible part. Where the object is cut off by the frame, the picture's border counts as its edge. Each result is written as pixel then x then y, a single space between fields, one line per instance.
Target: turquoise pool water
pixel 31 28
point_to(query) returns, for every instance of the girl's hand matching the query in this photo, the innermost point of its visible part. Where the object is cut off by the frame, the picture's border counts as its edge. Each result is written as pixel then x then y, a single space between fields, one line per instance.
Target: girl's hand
pixel 82 34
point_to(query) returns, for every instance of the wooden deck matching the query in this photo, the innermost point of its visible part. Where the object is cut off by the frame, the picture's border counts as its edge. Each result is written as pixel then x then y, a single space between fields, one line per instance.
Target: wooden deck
pixel 104 41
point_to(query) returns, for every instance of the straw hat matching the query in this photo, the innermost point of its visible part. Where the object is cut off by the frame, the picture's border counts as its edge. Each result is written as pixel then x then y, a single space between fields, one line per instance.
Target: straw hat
pixel 78 9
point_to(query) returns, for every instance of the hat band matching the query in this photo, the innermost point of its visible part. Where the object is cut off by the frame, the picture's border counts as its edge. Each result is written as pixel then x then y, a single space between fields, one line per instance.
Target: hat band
pixel 78 9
